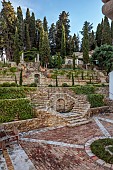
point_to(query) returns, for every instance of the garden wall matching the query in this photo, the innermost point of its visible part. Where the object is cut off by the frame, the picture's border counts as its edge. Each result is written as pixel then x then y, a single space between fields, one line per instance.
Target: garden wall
pixel 44 119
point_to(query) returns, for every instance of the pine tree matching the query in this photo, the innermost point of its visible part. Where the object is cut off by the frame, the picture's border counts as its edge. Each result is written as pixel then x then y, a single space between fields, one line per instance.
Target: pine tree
pixel 63 43
pixel 63 19
pixel 45 24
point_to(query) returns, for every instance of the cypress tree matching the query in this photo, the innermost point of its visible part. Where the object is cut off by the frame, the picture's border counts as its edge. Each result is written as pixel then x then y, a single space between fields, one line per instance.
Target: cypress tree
pixel 27 37
pixel 20 27
pixel 45 24
pixel 32 30
pixel 85 43
pixel 112 31
pixel 99 34
pixel 72 80
pixel 74 58
pixel 106 32
pixel 52 39
pixel 21 80
pixel 63 43
pixel 17 47
pixel 8 31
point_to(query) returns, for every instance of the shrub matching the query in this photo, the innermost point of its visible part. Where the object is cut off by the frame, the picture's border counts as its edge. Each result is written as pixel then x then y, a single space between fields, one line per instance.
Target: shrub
pixel 96 100
pixel 13 85
pixel 33 85
pixel 87 89
pixel 6 84
pixel 12 93
pixel 10 108
pixel 98 148
pixel 65 85
pixel 50 85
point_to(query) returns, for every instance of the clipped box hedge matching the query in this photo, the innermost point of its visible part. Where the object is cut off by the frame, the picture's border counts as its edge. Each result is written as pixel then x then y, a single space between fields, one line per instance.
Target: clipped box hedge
pixel 96 100
pixel 15 92
pixel 87 89
pixel 9 109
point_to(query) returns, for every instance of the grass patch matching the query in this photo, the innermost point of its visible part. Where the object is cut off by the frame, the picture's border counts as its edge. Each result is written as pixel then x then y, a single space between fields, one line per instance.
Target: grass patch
pixel 98 148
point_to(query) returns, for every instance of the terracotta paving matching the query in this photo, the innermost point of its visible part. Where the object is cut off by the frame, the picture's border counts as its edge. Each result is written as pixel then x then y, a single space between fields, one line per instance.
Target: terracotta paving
pixel 75 135
pixel 49 157
pixel 64 148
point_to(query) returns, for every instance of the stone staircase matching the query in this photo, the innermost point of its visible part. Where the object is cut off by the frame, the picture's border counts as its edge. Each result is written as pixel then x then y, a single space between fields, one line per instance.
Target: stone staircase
pixel 77 116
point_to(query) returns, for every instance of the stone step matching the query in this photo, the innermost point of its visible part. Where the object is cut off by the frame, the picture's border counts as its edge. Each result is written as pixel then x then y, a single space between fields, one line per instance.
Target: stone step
pixel 76 120
pixel 79 123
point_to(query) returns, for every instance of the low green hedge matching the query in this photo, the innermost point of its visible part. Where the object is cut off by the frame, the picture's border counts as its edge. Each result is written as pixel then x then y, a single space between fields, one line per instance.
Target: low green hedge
pixel 87 89
pixel 98 148
pixel 12 93
pixel 15 92
pixel 17 107
pixel 96 100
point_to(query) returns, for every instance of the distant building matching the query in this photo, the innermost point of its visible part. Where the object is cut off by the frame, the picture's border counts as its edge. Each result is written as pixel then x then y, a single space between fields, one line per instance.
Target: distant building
pixel 79 58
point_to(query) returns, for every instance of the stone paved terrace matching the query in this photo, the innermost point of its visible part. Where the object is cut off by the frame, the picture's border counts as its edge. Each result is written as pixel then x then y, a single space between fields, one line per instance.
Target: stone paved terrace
pixel 60 148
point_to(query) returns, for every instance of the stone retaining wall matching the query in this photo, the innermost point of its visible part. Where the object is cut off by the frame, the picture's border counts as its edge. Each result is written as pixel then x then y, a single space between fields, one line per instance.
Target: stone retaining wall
pixel 44 119
pixel 98 110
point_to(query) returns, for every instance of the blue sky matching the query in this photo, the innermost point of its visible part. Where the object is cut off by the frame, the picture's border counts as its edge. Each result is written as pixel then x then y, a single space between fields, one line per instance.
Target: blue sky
pixel 79 10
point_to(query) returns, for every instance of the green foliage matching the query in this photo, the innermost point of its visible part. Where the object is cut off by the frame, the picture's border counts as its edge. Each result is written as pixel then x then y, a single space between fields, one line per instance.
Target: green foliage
pixel 56 81
pixel 10 108
pixel 87 89
pixel 20 82
pixel 33 85
pixel 72 80
pixel 65 85
pixel 98 148
pixel 104 56
pixel 12 93
pixel 96 100
pixel 63 43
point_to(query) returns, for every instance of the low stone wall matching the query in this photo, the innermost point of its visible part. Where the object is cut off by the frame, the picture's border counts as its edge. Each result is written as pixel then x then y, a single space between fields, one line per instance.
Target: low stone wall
pixel 44 119
pixel 98 110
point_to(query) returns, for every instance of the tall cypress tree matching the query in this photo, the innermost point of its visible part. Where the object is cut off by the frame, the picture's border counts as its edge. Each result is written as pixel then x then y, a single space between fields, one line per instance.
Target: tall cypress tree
pixel 17 47
pixel 85 43
pixel 63 43
pixel 52 38
pixel 20 27
pixel 45 24
pixel 92 42
pixel 8 32
pixel 112 31
pixel 41 40
pixel 99 34
pixel 27 37
pixel 32 30
pixel 106 32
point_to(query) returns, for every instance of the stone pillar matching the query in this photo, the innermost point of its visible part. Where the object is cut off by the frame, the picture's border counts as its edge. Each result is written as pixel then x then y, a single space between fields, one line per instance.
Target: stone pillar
pixel 111 85
pixel 37 57
pixel 22 58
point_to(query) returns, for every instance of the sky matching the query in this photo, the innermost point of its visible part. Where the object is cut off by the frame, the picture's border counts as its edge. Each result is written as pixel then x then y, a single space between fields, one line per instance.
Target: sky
pixel 79 11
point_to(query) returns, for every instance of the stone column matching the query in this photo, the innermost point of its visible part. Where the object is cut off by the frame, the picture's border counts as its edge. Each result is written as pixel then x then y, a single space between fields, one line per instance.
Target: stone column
pixel 111 85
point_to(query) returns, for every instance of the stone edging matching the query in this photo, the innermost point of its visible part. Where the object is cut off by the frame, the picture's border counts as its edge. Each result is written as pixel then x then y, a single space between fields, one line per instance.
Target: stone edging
pixel 94 157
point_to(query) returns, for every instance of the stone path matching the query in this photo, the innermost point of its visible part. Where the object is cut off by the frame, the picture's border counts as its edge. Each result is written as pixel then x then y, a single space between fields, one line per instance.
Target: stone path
pixel 60 148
